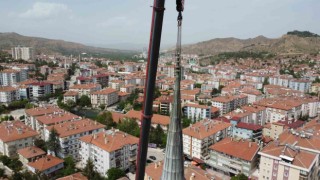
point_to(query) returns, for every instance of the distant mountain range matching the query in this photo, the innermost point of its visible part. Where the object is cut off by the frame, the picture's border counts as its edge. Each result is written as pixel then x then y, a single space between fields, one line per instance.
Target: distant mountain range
pixel 50 46
pixel 292 42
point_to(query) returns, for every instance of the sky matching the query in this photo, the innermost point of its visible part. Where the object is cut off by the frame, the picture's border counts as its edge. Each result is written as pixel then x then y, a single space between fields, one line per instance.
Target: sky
pixel 116 22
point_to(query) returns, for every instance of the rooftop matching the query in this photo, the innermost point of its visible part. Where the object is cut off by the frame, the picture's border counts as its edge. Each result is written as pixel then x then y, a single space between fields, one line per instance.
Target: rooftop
pixel 156 118
pixel 75 127
pixel 57 118
pixel 45 163
pixel 30 152
pixel 249 126
pixel 105 91
pixel 240 149
pixel 76 176
pixel 205 128
pixel 15 130
pixel 85 86
pixel 111 140
pixel 43 110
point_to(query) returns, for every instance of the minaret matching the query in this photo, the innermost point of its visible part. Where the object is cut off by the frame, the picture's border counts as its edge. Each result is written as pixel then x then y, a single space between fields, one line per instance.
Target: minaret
pixel 173 168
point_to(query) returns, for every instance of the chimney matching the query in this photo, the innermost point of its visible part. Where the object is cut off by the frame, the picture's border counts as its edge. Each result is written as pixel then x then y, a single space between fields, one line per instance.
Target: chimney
pixel 250 144
pixel 94 136
pixel 106 140
pixel 155 165
pixel 193 176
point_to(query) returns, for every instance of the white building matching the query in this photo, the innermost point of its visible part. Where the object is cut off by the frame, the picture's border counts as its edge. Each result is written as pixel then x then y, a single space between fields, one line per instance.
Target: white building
pixel 31 114
pixel 9 94
pixel 69 134
pixel 197 112
pixel 9 77
pixel 25 53
pixel 200 136
pixel 109 149
pixel 105 97
pixel 15 135
pixel 39 89
pixel 85 89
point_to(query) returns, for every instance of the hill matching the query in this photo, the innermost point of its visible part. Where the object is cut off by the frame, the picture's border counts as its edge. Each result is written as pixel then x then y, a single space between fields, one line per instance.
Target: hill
pixel 50 46
pixel 293 42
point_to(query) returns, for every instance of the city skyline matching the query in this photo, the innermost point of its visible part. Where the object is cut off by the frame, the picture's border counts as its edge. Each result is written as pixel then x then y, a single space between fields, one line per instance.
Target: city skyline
pixel 112 23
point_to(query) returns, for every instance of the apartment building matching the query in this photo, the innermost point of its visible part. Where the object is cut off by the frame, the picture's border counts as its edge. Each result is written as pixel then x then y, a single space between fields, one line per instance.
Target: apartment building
pixel 191 172
pixel 116 84
pixel 9 94
pixel 300 85
pixel 243 130
pixel 85 89
pixel 109 149
pixel 15 135
pixel 281 108
pixel 31 114
pixel 39 89
pixel 229 103
pixel 70 96
pixel 9 77
pixel 69 134
pixel 44 121
pixel 107 97
pixel 25 53
pixel 197 112
pixel 234 156
pixel 30 154
pixel 250 114
pixel 315 88
pixel 252 94
pixel 288 162
pixel 48 165
pixel 200 136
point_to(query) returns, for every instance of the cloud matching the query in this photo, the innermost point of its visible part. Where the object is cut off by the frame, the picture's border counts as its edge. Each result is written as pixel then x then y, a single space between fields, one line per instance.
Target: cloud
pixel 43 10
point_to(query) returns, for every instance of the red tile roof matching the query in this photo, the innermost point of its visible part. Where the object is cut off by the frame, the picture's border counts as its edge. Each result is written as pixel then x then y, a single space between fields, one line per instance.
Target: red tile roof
pixel 15 130
pixel 249 126
pixel 239 149
pixel 30 152
pixel 45 163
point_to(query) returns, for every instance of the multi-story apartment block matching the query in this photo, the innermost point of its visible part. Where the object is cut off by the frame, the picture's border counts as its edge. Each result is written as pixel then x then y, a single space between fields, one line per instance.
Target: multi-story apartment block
pixel 250 114
pixel 15 135
pixel 85 89
pixel 234 156
pixel 9 77
pixel 287 161
pixel 253 94
pixel 31 114
pixel 281 108
pixel 25 53
pixel 200 136
pixel 105 96
pixel 280 80
pixel 70 96
pixel 109 149
pixel 116 84
pixel 191 172
pixel 39 89
pixel 300 85
pixel 197 112
pixel 69 134
pixel 9 94
pixel 246 130
pixel 315 88
pixel 44 121
pixel 229 103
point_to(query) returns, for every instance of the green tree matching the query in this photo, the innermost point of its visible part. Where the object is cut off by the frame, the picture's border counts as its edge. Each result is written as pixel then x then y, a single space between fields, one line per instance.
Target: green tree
pixel 186 122
pixel 115 173
pixel 239 177
pixel 53 144
pixel 29 106
pixel 84 101
pixel 266 81
pixel 69 166
pixel 102 107
pixel 156 135
pixel 129 126
pixel 197 85
pixel 90 172
pixel 2 173
pixel 106 119
pixel 40 144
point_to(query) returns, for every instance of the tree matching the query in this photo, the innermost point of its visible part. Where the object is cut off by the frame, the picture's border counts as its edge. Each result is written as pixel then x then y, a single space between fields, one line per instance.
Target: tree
pixel 266 81
pixel 53 144
pixel 102 107
pixel 129 126
pixel 69 166
pixel 197 85
pixel 40 144
pixel 239 177
pixel 90 172
pixel 156 135
pixel 2 173
pixel 115 173
pixel 186 122
pixel 106 119
pixel 84 101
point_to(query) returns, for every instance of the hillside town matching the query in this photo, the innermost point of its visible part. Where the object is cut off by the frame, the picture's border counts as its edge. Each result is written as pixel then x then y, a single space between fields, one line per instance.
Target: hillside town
pixel 79 117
